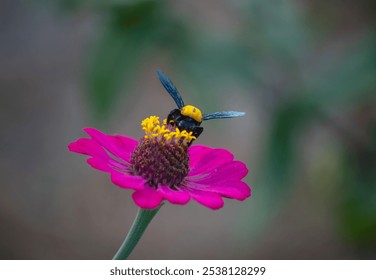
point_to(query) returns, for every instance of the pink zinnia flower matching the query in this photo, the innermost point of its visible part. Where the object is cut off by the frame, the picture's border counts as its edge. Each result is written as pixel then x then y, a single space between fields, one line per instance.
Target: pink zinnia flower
pixel 163 166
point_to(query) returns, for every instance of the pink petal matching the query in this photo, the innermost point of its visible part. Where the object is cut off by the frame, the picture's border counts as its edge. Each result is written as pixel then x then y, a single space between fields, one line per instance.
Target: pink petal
pixel 236 189
pixel 99 164
pixel 230 171
pixel 126 143
pixel 148 198
pixel 101 160
pixel 196 153
pixel 127 181
pixel 211 200
pixel 119 146
pixel 87 147
pixel 210 160
pixel 174 196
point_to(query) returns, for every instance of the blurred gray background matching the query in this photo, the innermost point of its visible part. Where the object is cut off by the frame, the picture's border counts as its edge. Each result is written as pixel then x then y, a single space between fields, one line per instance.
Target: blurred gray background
pixel 303 71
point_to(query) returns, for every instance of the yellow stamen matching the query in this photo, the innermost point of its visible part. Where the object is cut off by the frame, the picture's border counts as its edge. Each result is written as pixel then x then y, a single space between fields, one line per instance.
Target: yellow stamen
pixel 153 128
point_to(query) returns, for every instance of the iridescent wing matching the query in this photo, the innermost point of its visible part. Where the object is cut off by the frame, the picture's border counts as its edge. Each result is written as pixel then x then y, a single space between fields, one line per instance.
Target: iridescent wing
pixel 222 115
pixel 171 89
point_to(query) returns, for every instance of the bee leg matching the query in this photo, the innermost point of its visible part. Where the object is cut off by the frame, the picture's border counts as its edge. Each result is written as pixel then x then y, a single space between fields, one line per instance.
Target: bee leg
pixel 196 131
pixel 173 116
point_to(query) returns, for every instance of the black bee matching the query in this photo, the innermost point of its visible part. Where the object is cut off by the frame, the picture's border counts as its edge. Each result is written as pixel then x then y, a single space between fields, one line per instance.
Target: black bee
pixel 188 117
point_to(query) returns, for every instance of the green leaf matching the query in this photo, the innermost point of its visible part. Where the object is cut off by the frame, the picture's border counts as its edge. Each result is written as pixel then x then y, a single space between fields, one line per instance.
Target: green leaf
pixel 120 50
pixel 289 122
pixel 347 76
pixel 358 204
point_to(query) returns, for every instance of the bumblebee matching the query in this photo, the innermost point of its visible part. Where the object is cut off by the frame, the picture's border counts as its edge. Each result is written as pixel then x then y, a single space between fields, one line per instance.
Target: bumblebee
pixel 188 117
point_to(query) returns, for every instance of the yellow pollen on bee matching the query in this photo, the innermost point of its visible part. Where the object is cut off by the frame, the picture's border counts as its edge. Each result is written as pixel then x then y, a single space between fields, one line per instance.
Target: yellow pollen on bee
pixel 193 112
pixel 153 128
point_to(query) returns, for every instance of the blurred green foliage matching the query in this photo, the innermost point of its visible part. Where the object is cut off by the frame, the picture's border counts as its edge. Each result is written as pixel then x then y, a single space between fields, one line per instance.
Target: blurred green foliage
pixel 304 74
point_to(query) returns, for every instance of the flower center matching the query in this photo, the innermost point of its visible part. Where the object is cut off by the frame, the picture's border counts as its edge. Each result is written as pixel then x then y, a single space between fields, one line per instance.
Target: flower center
pixel 161 156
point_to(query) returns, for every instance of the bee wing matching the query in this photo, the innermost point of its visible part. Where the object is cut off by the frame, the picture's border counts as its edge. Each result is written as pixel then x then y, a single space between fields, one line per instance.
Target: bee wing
pixel 171 89
pixel 222 115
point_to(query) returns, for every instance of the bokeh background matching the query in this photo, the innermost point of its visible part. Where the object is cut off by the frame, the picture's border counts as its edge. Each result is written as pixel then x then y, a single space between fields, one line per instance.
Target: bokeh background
pixel 303 71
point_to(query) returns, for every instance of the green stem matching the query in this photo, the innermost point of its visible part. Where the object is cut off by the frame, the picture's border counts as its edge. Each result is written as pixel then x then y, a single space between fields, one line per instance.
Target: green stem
pixel 138 227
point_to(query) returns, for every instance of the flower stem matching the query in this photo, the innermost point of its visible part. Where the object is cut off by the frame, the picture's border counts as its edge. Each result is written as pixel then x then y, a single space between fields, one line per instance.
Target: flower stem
pixel 138 227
